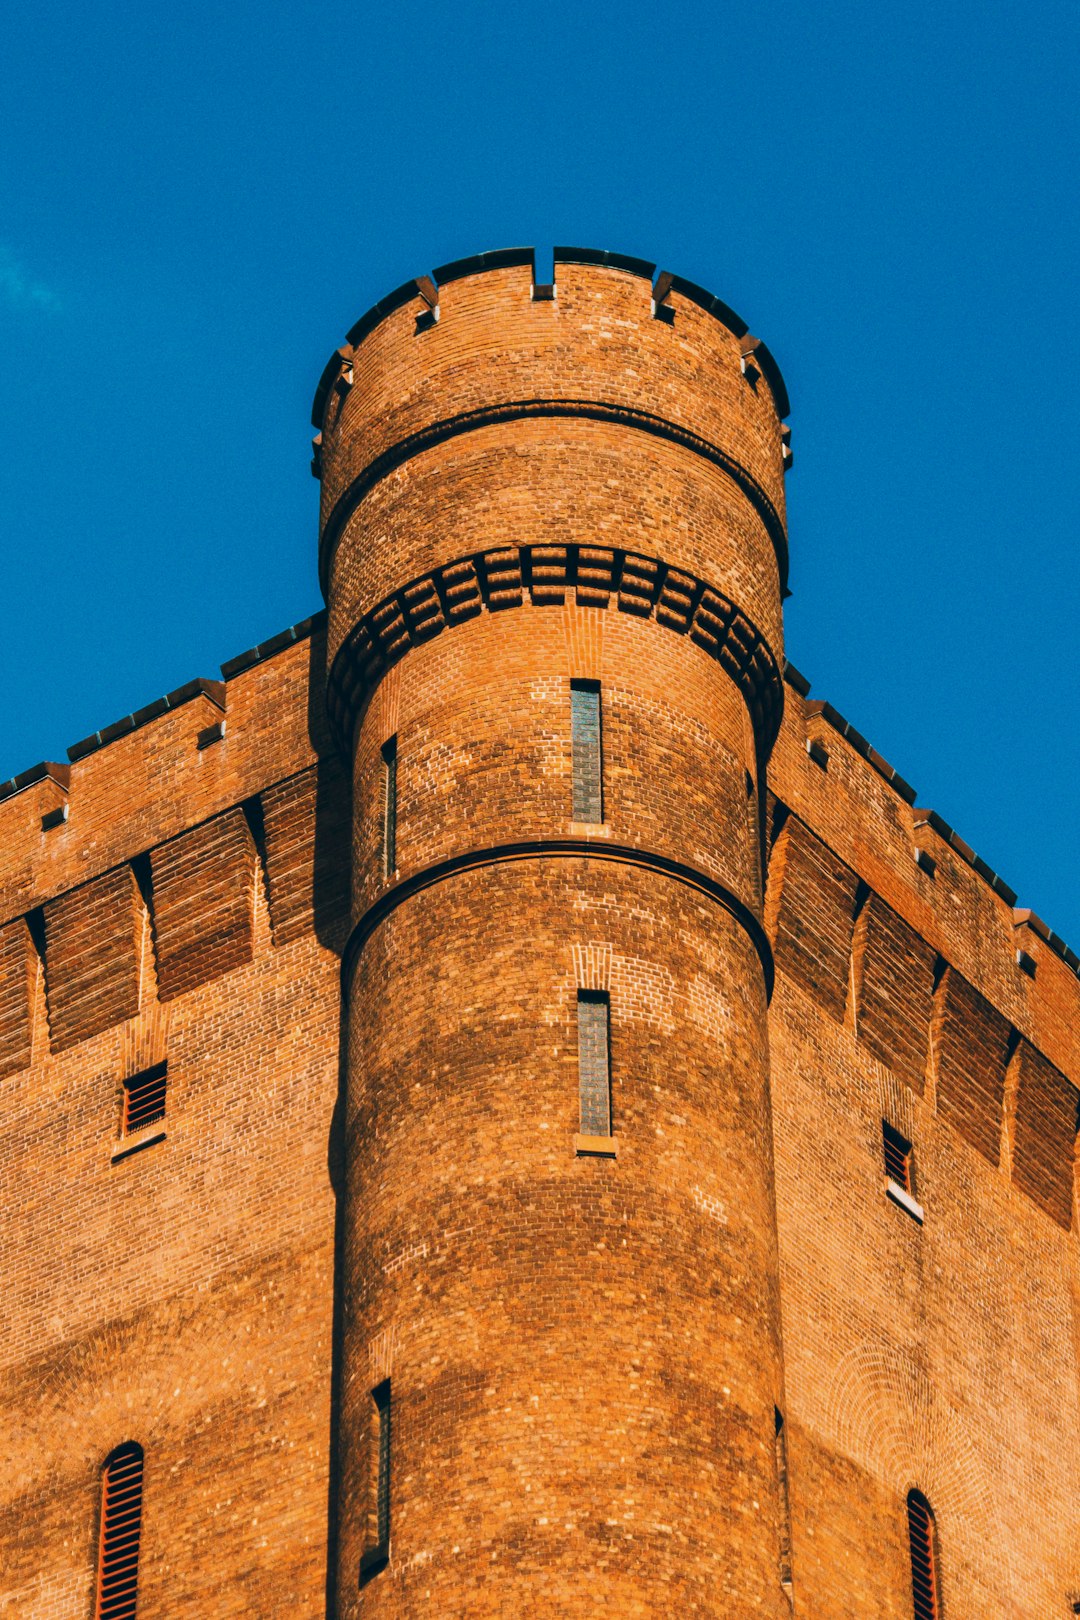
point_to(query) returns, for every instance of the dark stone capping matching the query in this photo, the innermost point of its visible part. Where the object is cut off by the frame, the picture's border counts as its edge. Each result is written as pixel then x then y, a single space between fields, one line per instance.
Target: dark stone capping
pixel 962 848
pixel 48 770
pixel 503 258
pixel 276 644
pixel 214 690
pixel 330 374
pixel 771 372
pixel 930 818
pixel 662 287
pixel 476 263
pixel 582 849
pixel 615 261
pixel 796 679
pixel 378 312
pixel 712 305
pixel 1028 919
pixel 517 409
pixel 861 746
pixel 501 577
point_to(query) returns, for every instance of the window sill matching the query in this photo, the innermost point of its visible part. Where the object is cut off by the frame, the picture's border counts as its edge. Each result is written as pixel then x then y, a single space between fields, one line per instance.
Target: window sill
pixel 590 829
pixel 135 1144
pixel 371 1562
pixel 596 1147
pixel 894 1191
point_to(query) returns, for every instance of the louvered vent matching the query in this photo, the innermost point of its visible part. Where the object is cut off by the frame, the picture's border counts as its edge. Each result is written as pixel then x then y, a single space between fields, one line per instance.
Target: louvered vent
pixel 144 1098
pixel 924 1573
pixel 897 1157
pixel 121 1523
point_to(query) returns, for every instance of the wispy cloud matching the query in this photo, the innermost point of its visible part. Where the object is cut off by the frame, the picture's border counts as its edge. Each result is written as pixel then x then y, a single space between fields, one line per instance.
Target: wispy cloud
pixel 20 290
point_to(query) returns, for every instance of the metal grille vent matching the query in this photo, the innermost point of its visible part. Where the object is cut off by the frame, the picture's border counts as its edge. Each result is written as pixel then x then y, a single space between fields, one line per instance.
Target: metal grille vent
pixel 144 1098
pixel 924 1573
pixel 121 1523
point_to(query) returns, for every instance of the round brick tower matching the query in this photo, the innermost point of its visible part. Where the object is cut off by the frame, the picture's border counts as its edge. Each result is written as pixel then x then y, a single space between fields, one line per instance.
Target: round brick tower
pixel 553 551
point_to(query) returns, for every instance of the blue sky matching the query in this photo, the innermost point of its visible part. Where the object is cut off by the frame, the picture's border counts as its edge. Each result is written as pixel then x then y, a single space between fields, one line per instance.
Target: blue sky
pixel 196 202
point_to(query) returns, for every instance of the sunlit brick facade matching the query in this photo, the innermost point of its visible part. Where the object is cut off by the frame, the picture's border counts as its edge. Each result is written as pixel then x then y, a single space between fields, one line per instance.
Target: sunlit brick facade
pixel 507 1106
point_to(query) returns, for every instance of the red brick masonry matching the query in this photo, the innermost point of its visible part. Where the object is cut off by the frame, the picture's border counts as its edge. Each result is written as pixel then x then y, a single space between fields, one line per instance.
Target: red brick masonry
pixel 367 1271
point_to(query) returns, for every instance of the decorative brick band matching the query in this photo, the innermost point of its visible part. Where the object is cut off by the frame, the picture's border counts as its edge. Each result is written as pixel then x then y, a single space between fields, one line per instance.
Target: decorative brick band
pixel 493 580
pixel 557 849
pixel 514 410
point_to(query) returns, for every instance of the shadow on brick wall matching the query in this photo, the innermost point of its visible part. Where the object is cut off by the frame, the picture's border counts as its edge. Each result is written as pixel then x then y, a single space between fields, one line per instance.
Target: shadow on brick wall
pixel 331 910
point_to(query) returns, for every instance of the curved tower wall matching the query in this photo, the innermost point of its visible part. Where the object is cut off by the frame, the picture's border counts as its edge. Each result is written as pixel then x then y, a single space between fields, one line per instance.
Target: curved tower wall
pixel 583 1350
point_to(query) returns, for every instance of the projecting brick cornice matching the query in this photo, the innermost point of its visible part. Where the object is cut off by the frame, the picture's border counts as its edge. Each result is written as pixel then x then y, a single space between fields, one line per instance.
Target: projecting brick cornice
pixel 516 410
pixel 491 581
pixel 558 849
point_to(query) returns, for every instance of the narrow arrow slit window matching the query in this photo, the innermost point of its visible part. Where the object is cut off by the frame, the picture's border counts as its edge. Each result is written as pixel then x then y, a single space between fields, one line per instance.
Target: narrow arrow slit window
pixel 594 1063
pixel 376 1557
pixel 389 826
pixel 585 748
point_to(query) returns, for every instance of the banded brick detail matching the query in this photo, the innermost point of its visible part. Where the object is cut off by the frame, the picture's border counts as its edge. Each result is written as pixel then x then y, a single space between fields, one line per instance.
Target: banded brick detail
pixel 203 897
pixel 18 967
pixel 306 833
pixel 1044 1147
pixel 971 1044
pixel 93 940
pixel 811 915
pixel 894 979
pixel 548 575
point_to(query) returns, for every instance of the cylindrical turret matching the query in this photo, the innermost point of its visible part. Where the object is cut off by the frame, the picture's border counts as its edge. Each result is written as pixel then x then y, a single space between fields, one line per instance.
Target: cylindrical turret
pixel 553 553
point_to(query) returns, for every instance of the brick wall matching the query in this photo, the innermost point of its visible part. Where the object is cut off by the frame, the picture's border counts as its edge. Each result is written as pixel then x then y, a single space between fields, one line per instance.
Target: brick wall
pixel 181 1294
pixel 586 1349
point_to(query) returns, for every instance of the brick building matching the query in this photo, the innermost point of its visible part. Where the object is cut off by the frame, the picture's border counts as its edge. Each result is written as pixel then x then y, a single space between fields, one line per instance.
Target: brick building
pixel 507 1104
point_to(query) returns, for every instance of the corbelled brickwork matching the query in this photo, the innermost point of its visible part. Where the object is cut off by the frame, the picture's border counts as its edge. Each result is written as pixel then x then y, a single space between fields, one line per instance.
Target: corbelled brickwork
pixel 532 968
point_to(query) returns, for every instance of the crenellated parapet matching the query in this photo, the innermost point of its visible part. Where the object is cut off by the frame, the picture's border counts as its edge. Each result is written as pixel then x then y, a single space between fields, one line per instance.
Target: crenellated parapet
pixel 413 413
pixel 134 896
pixel 900 935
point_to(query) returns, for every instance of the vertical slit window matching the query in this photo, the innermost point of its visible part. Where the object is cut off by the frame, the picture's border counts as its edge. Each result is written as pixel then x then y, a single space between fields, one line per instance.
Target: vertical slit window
pixel 144 1098
pixel 588 797
pixel 925 1588
pixel 898 1153
pixel 785 1501
pixel 389 821
pixel 121 1527
pixel 377 1556
pixel 594 1063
